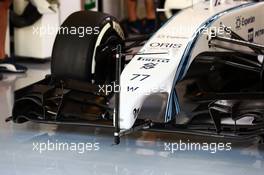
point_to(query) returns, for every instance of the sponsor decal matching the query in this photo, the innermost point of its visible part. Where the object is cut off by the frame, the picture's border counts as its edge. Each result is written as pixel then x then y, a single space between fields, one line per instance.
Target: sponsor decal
pixel 243 22
pixel 155 60
pixel 251 35
pixel 149 66
pixel 136 112
pixel 259 33
pixel 132 89
pixel 162 36
pixel 165 45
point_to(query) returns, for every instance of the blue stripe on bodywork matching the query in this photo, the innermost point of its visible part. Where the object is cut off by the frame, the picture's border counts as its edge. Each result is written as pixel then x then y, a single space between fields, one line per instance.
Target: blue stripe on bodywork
pixel 186 58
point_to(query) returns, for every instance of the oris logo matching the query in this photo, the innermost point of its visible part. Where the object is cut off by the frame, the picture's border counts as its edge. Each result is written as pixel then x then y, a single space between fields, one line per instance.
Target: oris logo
pixel 165 45
pixel 241 21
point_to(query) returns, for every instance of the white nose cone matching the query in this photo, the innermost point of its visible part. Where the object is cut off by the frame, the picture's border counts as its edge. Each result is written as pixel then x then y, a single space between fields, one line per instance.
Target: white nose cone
pixel 132 96
pixel 141 78
pixel 129 110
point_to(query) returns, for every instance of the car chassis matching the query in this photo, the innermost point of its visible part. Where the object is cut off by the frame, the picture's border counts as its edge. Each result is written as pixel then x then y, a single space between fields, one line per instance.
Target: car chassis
pixel 57 100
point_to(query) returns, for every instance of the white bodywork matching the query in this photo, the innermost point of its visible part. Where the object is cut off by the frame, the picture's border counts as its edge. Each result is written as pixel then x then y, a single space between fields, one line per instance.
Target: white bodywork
pixel 178 4
pixel 179 42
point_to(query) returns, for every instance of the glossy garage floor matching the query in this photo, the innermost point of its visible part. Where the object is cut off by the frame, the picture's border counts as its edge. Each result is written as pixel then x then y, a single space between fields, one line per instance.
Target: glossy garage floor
pixel 139 154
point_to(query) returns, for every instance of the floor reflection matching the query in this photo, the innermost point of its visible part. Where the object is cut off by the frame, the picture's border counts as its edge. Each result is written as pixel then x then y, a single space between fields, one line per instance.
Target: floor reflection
pixel 140 153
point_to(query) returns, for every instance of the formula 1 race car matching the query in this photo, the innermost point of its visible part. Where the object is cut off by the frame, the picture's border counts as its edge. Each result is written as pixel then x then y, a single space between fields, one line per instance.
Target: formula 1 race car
pixel 201 73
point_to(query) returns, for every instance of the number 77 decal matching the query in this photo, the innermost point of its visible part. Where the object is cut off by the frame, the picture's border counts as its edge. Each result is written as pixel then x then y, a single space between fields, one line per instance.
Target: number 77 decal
pixel 141 77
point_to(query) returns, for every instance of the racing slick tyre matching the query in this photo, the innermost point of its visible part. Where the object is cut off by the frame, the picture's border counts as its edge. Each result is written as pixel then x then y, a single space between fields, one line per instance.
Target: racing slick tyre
pixel 83 48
